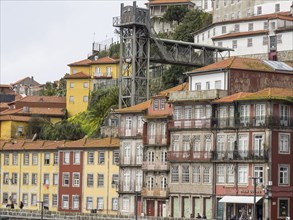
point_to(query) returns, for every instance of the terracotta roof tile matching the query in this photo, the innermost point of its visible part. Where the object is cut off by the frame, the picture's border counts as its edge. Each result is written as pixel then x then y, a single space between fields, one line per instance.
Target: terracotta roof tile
pixel 5 86
pixel 91 143
pixel 105 60
pixel 181 87
pixel 45 99
pixel 236 63
pixel 155 2
pixel 85 62
pixel 232 98
pixel 10 111
pixel 79 75
pixel 240 34
pixel 136 108
pixel 46 111
pixel 271 93
pixel 15 118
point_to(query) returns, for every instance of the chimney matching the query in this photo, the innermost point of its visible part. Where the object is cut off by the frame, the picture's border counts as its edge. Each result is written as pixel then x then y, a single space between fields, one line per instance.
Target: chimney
pixel 32 78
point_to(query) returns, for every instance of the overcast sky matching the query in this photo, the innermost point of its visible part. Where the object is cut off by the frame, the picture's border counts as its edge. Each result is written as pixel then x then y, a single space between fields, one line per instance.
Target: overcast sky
pixel 39 38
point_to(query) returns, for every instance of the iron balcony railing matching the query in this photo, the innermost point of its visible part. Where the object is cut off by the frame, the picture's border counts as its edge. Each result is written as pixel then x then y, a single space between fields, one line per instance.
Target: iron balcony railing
pixel 155 139
pixel 155 192
pixel 243 155
pixel 190 123
pixel 189 155
pixel 155 166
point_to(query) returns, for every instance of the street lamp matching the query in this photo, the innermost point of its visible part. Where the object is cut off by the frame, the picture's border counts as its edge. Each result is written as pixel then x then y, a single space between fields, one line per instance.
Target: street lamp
pixel 254 196
pixel 42 209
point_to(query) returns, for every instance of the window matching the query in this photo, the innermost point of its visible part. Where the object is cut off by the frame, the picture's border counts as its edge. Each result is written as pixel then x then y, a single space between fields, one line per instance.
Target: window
pixel 71 85
pixel 236 28
pixel 283 175
pixel 284 115
pixel 259 10
pixel 259 172
pixel 75 179
pixel 277 7
pixel 71 99
pixel 242 174
pixel 46 200
pixel 35 159
pixel 126 153
pixel 266 25
pixel 47 158
pixel 175 174
pixel 220 44
pixel 208 86
pixel 125 203
pixel 206 174
pixel 100 180
pixel 177 112
pixel 34 179
pixel 186 142
pixel 46 178
pixel 218 84
pixel 14 159
pixel 101 157
pixel 249 42
pixel 243 145
pixel 85 85
pixel 156 104
pixel 258 145
pixel 85 98
pixel 6 158
pixel 65 179
pixel 98 71
pixel 14 197
pixel 265 40
pixel 89 203
pixel 230 174
pixel 6 178
pixel 34 199
pixel 76 157
pixel 54 200
pixel 75 202
pixel 109 71
pixel 56 158
pixel 164 183
pixel 273 25
pixel 279 38
pixel 5 198
pixel 100 203
pixel 65 201
pixel 185 174
pixel 197 86
pixel 14 178
pixel 90 157
pixel 283 208
pixel 90 180
pixel 162 104
pixel 66 157
pixel 250 26
pixel 196 174
pixel 150 183
pixel 139 154
pixel 234 44
pixel 25 199
pixel 115 180
pixel 55 178
pixel 25 179
pixel 126 183
pixel 220 174
pixel 114 204
pixel 224 30
pixel 244 114
pixel 284 143
pixel 26 159
pixel 116 157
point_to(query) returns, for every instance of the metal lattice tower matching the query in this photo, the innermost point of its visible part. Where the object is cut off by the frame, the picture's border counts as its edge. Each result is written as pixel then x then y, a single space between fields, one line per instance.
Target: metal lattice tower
pixel 134 55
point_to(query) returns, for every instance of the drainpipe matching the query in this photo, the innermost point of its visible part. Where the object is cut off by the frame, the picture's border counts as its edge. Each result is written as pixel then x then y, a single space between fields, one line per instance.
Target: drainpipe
pixel 20 165
pixel 40 178
pixel 108 182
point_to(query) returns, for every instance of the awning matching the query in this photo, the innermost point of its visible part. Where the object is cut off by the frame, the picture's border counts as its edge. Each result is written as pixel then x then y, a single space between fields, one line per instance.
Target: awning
pixel 240 199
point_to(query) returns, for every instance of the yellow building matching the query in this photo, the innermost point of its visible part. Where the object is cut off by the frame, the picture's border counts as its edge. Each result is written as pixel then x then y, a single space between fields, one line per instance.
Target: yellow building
pixel 85 76
pixel 28 171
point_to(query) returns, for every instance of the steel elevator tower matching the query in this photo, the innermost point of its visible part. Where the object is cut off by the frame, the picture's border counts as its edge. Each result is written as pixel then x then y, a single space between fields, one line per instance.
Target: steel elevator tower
pixel 134 55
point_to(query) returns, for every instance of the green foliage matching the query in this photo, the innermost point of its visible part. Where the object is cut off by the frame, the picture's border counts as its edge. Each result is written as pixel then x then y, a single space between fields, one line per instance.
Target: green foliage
pixel 113 52
pixel 175 13
pixel 63 130
pixel 35 125
pixel 53 89
pixel 173 76
pixel 99 108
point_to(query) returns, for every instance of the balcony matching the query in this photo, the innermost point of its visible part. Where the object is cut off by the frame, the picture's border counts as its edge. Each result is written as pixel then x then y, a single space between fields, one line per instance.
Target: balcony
pixel 155 192
pixel 241 155
pixel 155 140
pixel 155 166
pixel 188 156
pixel 190 123
pixel 197 95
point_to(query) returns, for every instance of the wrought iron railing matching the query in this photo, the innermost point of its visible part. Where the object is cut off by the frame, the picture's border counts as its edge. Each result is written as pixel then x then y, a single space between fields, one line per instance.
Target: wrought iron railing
pixel 190 123
pixel 241 155
pixel 189 155
pixel 155 139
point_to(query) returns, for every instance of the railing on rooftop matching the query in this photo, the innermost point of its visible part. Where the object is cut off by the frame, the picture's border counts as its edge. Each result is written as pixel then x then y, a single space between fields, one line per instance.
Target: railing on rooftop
pixel 242 155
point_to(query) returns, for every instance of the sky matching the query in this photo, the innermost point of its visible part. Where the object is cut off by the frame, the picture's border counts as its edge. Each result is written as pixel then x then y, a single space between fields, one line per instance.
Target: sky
pixel 39 38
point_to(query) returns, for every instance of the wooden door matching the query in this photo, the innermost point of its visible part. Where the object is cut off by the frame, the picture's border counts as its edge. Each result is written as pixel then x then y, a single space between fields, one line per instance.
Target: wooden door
pixel 150 208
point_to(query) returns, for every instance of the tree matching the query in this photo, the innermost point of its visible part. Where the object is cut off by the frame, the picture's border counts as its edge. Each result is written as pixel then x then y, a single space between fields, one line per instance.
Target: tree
pixel 175 13
pixel 35 125
pixel 55 88
pixel 173 76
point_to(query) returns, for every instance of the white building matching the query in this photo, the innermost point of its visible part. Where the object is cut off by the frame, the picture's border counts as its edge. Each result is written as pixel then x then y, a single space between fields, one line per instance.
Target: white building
pixel 272 7
pixel 264 36
pixel 206 5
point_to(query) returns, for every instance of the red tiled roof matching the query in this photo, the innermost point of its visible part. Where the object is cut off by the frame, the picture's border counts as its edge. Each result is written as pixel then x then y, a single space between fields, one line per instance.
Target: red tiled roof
pixel 232 98
pixel 105 60
pixel 240 34
pixel 15 118
pixel 45 99
pixel 236 63
pixel 79 75
pixel 271 93
pixel 85 62
pixel 181 87
pixel 5 86
pixel 136 108
pixel 155 2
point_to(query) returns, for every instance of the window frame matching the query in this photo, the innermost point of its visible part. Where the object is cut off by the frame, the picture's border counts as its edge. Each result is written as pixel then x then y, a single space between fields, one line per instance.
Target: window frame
pixel 287 141
pixel 287 172
pixel 67 175
pixel 75 181
pixel 62 203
